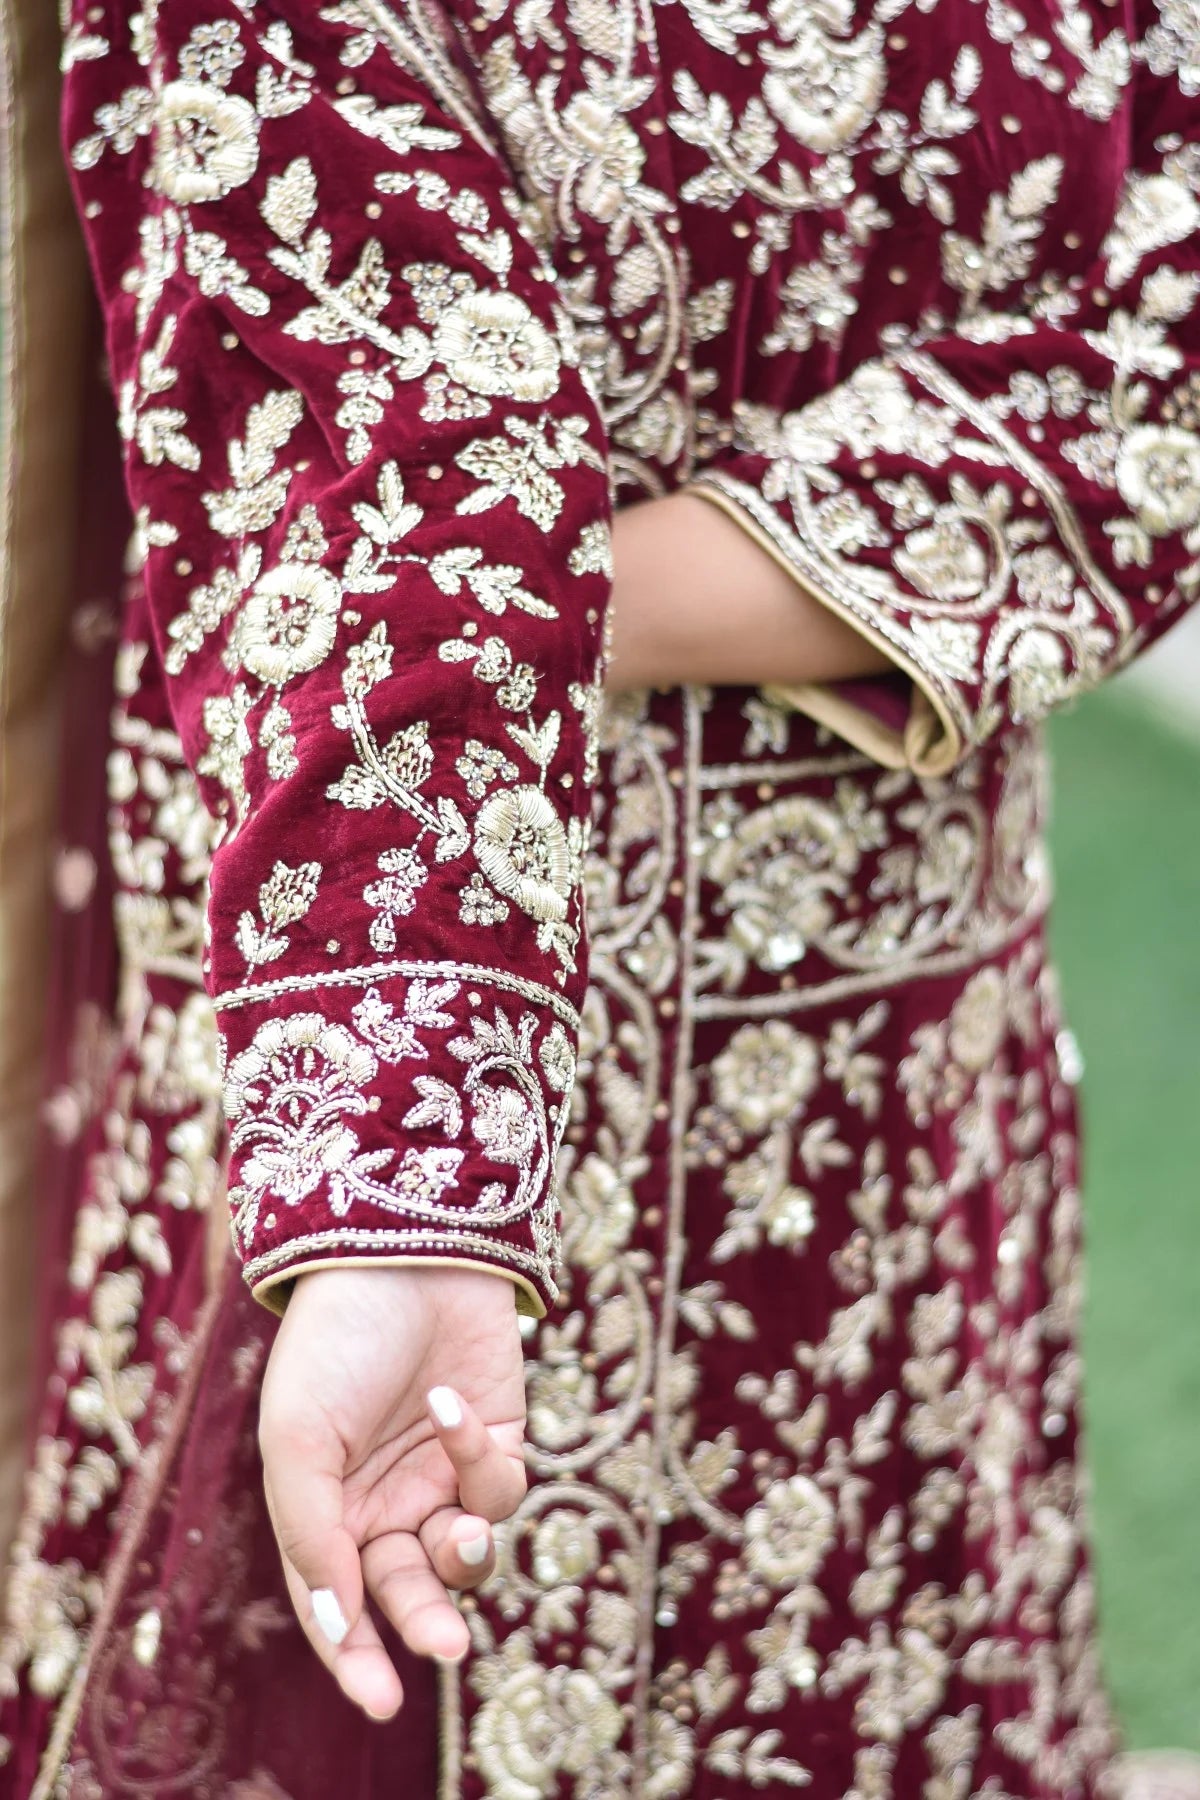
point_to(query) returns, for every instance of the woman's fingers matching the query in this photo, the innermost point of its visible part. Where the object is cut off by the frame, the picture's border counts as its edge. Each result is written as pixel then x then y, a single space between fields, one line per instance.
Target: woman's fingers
pixel 488 1462
pixel 302 1479
pixel 359 1663
pixel 459 1545
pixel 415 1601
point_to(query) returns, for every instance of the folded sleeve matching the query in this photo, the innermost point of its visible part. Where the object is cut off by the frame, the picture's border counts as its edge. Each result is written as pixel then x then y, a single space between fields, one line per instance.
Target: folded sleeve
pixel 1009 508
pixel 373 511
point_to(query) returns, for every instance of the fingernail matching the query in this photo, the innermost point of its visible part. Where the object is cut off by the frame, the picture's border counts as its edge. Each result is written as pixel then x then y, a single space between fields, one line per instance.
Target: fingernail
pixel 446 1407
pixel 474 1550
pixel 330 1618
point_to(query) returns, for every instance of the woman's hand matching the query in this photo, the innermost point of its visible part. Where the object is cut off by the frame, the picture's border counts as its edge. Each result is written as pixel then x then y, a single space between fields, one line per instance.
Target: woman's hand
pixel 697 599
pixel 393 1412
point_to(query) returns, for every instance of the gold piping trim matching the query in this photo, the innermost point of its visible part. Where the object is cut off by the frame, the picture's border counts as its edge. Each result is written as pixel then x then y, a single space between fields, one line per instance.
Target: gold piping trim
pixel 401 968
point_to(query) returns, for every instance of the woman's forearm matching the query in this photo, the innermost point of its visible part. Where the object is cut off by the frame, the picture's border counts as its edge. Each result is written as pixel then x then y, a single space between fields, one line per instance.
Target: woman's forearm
pixel 696 599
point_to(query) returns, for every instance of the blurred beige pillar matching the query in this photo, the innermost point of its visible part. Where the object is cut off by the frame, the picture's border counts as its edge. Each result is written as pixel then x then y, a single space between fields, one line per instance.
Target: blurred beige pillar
pixel 42 286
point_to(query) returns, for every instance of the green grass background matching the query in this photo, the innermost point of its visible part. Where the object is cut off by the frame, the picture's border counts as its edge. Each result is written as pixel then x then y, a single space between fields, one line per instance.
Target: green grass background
pixel 1127 937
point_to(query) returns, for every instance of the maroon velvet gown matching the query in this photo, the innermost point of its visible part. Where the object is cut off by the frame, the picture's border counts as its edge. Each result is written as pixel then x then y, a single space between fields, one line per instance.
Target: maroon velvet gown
pixel 399 301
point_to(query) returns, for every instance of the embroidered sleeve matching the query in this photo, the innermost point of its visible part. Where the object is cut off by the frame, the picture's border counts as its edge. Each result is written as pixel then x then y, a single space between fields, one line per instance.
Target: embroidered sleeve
pixel 1010 508
pixel 373 513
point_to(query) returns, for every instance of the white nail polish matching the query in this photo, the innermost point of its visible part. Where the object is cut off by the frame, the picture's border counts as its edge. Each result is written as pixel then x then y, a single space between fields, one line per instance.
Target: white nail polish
pixel 475 1549
pixel 331 1620
pixel 446 1408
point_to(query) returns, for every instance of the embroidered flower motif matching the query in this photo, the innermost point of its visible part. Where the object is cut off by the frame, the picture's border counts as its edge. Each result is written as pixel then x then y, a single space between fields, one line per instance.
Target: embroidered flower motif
pixel 213 53
pixel 1155 210
pixel 289 623
pixel 978 1021
pixel 285 1095
pixel 789 1217
pixel 194 1054
pixel 492 344
pixel 477 905
pixel 539 1724
pixel 562 1398
pixel 825 89
pixel 522 848
pixel 765 1074
pixel 207 142
pixel 599 1213
pixel 504 1124
pixel 614 155
pixel 872 410
pixel 790 1532
pixel 229 742
pixel 1045 579
pixel 1172 44
pixel 1158 476
pixel 778 913
pixel 1037 673
pixel 781 897
pixel 557 1059
pixel 907 1682
pixel 944 561
pixel 566 1547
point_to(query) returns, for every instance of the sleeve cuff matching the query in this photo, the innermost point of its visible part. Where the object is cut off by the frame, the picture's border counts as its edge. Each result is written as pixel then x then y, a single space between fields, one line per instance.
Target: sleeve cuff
pixel 928 741
pixel 396 1113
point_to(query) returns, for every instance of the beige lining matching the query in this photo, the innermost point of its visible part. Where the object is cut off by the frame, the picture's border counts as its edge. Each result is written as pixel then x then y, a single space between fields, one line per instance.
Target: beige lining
pixel 930 744
pixel 267 1291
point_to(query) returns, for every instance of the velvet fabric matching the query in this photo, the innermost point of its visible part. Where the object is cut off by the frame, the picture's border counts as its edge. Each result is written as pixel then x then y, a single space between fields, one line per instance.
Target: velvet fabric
pixel 399 301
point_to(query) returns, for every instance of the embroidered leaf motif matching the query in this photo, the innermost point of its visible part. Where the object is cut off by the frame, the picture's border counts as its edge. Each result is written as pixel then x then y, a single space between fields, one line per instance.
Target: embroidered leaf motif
pixel 408 756
pixel 269 425
pixel 494 251
pixel 439 1105
pixel 401 129
pixel 968 71
pixel 1035 187
pixel 1169 294
pixel 539 745
pixel 361 575
pixel 217 274
pixel 367 289
pixel 357 789
pixel 940 116
pixel 284 898
pixel 455 836
pixel 367 664
pixel 291 201
pixel 426 1000
pixel 275 96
